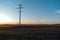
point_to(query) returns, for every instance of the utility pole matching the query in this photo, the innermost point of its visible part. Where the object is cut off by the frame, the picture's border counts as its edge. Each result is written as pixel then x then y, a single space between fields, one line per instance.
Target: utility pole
pixel 20 7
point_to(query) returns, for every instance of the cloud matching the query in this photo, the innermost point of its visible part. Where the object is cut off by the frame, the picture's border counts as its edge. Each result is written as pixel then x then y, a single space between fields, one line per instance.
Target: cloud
pixel 58 11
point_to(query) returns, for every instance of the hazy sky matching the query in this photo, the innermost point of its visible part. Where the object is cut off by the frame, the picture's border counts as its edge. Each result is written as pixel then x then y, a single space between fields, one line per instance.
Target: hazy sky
pixel 34 11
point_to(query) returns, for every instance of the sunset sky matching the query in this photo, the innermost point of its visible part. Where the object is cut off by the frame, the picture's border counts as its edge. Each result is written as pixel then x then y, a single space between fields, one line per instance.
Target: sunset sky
pixel 34 11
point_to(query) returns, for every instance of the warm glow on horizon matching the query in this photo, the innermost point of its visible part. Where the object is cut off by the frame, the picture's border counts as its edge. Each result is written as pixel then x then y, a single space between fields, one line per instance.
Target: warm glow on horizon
pixel 5 18
pixel 8 22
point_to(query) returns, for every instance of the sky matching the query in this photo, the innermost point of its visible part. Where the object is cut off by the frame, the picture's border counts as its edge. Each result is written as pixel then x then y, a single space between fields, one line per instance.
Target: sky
pixel 33 11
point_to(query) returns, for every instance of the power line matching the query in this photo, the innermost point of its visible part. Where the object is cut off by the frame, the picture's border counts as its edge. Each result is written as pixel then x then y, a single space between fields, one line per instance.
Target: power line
pixel 20 7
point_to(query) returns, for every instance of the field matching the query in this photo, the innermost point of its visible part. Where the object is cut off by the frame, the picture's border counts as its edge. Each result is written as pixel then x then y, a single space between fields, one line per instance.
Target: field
pixel 30 32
